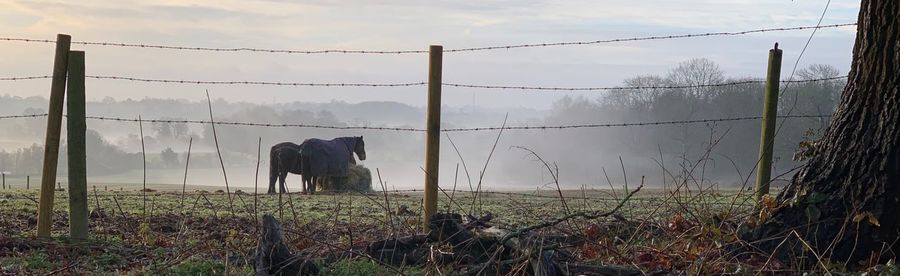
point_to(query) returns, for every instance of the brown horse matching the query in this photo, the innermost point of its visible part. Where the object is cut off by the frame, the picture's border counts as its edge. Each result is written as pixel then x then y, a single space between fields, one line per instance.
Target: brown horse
pixel 284 158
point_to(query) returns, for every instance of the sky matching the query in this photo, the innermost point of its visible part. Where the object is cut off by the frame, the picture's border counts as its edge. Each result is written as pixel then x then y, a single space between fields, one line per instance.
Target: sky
pixel 406 25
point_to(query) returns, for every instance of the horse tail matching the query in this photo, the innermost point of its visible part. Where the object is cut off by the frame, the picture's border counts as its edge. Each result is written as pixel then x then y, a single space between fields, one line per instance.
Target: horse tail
pixel 273 169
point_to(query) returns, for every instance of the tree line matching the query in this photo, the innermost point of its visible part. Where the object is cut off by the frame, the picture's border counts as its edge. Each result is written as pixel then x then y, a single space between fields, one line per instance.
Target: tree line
pixel 115 147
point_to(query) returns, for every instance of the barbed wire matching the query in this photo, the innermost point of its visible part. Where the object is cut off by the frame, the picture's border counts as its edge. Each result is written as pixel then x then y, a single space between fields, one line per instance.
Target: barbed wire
pixel 469 129
pixel 408 84
pixel 396 52
pixel 216 49
pixel 678 122
pixel 534 45
pixel 252 124
pixel 25 78
pixel 271 83
pixel 23 116
pixel 733 83
pixel 259 82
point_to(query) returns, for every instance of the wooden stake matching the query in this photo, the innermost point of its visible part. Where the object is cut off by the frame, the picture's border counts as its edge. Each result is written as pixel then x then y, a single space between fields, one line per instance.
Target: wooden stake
pixel 433 132
pixel 767 134
pixel 51 144
pixel 76 129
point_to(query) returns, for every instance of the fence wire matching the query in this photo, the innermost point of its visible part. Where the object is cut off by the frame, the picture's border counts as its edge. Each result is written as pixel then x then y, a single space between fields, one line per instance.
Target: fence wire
pixel 408 129
pixel 408 84
pixel 644 38
pixel 23 116
pixel 268 83
pixel 546 88
pixel 397 52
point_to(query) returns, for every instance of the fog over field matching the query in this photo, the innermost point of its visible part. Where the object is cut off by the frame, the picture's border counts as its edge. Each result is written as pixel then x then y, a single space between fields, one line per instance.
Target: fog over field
pixel 581 155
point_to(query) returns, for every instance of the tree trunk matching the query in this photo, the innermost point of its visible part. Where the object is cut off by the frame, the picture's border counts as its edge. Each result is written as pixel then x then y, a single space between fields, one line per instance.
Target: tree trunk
pixel 845 203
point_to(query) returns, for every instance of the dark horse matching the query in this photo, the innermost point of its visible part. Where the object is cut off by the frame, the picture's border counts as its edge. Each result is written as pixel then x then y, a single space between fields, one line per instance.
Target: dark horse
pixel 313 159
pixel 320 159
pixel 284 158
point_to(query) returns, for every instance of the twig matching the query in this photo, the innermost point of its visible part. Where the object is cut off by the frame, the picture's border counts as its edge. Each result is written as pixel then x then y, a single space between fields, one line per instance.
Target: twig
pixel 65 268
pixel 256 182
pixel 463 161
pixel 97 199
pixel 585 215
pixel 219 152
pixel 387 203
pixel 144 159
pixel 486 162
pixel 553 174
pixel 453 192
pixel 663 165
pixel 611 187
pixel 187 162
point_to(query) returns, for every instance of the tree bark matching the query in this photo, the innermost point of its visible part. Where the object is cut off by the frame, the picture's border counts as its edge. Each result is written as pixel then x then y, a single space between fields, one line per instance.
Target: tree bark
pixel 845 203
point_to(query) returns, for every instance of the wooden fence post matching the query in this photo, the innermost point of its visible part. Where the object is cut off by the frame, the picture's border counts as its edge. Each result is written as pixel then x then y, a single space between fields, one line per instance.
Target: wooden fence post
pixel 76 128
pixel 767 134
pixel 4 180
pixel 433 132
pixel 27 182
pixel 51 144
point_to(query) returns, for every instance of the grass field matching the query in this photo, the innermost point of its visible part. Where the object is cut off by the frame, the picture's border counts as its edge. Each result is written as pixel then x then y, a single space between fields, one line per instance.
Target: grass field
pixel 202 232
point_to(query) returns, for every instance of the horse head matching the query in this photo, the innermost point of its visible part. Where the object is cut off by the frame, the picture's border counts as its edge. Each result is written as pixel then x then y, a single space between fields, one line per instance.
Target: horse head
pixel 360 148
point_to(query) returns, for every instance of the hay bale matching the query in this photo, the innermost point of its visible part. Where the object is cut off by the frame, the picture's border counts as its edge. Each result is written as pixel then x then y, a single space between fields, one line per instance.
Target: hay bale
pixel 358 178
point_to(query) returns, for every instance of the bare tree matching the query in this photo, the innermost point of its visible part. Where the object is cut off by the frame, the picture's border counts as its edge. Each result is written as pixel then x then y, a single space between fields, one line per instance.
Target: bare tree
pixel 697 71
pixel 694 72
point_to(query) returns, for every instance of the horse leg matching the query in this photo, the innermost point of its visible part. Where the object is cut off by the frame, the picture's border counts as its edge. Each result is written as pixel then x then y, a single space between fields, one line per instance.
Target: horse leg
pixel 303 184
pixel 282 178
pixel 273 175
pixel 272 178
pixel 306 186
pixel 313 183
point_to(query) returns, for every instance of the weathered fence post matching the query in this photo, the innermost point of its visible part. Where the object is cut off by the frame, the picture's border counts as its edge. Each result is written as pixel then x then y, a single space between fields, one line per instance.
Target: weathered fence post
pixel 433 132
pixel 51 144
pixel 27 182
pixel 767 134
pixel 4 180
pixel 76 128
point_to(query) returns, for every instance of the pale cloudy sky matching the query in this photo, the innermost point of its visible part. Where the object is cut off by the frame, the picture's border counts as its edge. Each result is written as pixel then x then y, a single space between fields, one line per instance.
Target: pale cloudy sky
pixel 406 25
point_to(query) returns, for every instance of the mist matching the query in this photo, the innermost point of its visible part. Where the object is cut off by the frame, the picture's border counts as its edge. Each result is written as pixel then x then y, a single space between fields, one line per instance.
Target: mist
pixel 722 153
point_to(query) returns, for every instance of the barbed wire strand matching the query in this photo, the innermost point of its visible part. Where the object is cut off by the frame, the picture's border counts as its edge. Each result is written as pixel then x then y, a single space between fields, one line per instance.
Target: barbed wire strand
pixel 734 83
pixel 534 45
pixel 271 83
pixel 395 52
pixel 25 78
pixel 550 127
pixel 258 82
pixel 408 84
pixel 23 116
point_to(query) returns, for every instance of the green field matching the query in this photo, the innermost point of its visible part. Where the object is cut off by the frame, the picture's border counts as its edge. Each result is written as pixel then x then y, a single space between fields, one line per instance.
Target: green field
pixel 203 232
